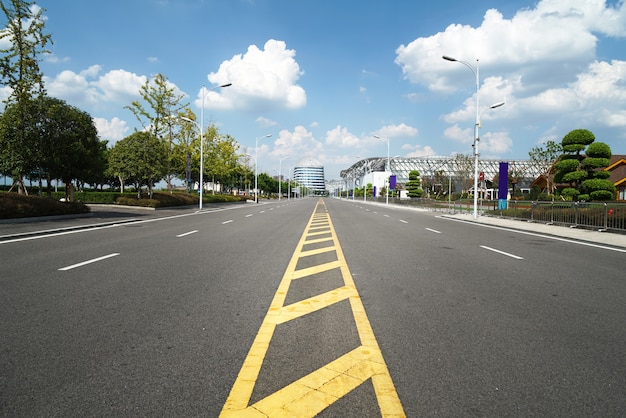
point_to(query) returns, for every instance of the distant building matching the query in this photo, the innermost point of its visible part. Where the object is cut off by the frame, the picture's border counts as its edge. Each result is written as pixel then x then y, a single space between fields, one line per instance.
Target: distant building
pixel 309 173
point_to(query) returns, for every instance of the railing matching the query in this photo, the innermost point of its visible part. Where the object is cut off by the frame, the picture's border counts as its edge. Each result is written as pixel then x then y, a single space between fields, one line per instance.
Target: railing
pixel 601 216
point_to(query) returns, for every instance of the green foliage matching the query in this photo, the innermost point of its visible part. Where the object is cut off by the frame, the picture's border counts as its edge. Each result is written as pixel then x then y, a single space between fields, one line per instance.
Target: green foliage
pixel 602 195
pixel 139 158
pixel 567 164
pixel 599 150
pixel 590 163
pixel 578 137
pixel 20 74
pixel 155 113
pixel 574 176
pixel 599 188
pixel 26 42
pixel 413 186
pixel 13 205
pixel 570 192
pixel 584 173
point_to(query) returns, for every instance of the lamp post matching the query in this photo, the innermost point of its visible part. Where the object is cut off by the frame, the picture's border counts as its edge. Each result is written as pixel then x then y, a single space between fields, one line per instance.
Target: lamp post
pixel 475 70
pixel 201 128
pixel 280 165
pixel 256 166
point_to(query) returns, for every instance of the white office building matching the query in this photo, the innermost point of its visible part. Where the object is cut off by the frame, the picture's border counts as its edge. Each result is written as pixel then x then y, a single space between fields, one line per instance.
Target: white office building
pixel 309 173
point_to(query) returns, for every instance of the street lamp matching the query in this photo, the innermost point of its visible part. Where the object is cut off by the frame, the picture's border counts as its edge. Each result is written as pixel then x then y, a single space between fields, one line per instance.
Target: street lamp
pixel 256 166
pixel 201 128
pixel 280 164
pixel 476 72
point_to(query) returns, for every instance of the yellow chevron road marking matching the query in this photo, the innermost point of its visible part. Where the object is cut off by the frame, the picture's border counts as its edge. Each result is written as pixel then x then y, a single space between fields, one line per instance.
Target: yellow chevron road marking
pixel 311 394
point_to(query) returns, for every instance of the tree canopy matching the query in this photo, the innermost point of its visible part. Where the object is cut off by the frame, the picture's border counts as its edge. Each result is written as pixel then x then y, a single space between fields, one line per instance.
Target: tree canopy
pixel 413 186
pixel 140 158
pixel 19 70
pixel 584 171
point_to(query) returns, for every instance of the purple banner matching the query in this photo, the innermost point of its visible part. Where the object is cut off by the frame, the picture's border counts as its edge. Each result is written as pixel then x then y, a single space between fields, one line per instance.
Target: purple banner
pixel 503 181
pixel 392 182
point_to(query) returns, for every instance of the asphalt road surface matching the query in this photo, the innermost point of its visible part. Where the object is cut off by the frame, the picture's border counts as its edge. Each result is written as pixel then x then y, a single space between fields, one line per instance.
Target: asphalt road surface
pixel 313 307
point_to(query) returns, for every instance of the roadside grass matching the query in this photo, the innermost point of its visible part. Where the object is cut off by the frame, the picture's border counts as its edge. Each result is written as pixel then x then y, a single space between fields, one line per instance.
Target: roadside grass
pixel 13 205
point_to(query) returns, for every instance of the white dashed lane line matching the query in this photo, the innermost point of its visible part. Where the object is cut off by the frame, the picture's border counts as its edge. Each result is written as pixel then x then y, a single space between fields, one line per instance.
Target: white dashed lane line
pixel 186 233
pixel 93 260
pixel 517 257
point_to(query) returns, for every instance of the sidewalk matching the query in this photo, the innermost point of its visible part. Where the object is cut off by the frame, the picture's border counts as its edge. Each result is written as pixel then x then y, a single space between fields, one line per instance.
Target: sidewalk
pixel 578 234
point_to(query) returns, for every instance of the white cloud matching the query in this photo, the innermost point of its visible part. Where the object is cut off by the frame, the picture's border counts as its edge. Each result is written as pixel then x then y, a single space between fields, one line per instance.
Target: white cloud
pixel 414 151
pixel 87 89
pixel 459 135
pixel 261 78
pixel 297 144
pixel 395 131
pixel 532 41
pixel 265 122
pixel 341 137
pixel 119 85
pixel 542 61
pixel 494 144
pixel 112 130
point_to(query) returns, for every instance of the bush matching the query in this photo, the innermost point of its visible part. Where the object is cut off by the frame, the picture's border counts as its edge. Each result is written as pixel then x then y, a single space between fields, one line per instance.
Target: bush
pixel 13 205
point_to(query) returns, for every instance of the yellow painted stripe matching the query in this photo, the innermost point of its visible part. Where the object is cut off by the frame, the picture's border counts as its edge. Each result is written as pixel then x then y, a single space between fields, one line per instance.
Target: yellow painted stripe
pixel 320 268
pixel 317 251
pixel 313 393
pixel 312 304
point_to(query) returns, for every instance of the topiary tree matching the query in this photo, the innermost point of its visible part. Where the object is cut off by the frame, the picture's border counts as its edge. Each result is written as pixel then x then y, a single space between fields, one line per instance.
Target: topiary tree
pixel 584 171
pixel 413 185
pixel 597 186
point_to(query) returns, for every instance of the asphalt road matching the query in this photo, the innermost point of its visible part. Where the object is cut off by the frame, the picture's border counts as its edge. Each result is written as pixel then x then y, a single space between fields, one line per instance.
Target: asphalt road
pixel 156 317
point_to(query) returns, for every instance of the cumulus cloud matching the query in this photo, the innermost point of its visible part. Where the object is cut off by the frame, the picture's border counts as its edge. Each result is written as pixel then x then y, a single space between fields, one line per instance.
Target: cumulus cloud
pixel 88 89
pixel 536 39
pixel 414 151
pixel 342 137
pixel 112 130
pixel 297 144
pixel 262 79
pixel 396 131
pixel 542 61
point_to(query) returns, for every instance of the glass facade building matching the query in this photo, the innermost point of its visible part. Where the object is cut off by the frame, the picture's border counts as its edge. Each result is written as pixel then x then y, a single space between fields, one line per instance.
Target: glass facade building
pixel 309 173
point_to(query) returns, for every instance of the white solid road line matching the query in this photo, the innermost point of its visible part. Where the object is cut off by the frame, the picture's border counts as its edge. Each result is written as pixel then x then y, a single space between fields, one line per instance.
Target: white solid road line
pixel 73 266
pixel 186 233
pixel 517 257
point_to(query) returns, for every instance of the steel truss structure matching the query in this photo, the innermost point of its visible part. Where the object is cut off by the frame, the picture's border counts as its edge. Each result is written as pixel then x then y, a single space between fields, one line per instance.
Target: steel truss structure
pixel 457 168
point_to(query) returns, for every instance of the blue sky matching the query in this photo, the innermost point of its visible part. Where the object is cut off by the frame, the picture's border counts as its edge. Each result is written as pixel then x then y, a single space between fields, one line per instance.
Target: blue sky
pixel 323 77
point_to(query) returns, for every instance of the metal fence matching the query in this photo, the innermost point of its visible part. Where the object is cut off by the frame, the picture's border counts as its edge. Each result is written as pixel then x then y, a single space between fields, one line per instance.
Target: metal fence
pixel 601 216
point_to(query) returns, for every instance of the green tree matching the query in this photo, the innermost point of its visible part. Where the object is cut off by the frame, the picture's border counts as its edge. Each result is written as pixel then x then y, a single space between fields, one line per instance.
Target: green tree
pixel 544 157
pixel 597 186
pixel 569 168
pixel 158 115
pixel 584 171
pixel 69 147
pixel 186 152
pixel 413 185
pixel 19 70
pixel 140 158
